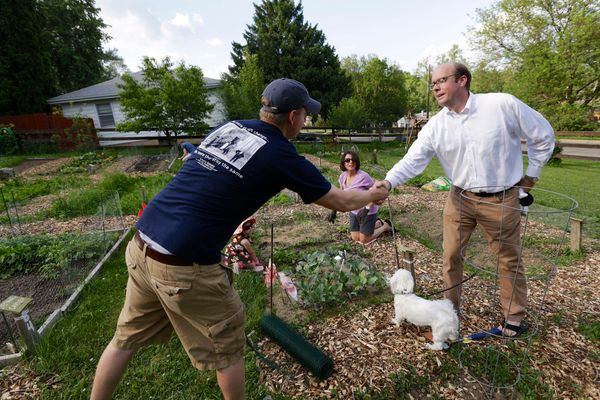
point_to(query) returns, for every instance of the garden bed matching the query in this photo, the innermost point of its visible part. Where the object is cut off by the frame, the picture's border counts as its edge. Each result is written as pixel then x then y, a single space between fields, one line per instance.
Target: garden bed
pixel 369 352
pixel 372 355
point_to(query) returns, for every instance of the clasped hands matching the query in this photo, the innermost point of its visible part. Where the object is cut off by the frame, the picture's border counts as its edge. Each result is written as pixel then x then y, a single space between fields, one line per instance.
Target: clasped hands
pixel 381 189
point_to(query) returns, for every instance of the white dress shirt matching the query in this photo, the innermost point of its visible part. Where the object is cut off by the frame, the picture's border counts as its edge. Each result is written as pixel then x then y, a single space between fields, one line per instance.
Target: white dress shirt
pixel 480 147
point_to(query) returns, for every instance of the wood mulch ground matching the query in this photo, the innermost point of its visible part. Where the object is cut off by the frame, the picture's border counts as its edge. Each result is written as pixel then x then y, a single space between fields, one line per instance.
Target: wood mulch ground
pixel 367 349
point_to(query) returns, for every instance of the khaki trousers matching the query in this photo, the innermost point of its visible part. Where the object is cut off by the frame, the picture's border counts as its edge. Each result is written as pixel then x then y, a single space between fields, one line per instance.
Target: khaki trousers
pixel 499 217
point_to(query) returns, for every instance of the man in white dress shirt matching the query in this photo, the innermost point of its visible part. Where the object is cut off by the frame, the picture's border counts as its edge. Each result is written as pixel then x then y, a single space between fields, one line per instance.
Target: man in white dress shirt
pixel 477 139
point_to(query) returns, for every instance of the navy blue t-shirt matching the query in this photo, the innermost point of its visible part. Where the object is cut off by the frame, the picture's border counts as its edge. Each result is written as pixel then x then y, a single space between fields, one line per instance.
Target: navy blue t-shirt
pixel 232 173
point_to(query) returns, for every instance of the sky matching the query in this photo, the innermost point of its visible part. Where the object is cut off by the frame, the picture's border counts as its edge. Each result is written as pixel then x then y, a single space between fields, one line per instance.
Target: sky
pixel 200 32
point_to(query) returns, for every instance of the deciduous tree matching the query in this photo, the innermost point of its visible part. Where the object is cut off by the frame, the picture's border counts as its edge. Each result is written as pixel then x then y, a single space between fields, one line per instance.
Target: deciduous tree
pixel 241 92
pixel 378 88
pixel 166 98
pixel 348 114
pixel 551 51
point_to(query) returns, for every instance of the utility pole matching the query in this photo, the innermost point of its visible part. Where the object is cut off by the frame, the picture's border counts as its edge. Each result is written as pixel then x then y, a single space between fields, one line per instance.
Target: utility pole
pixel 427 88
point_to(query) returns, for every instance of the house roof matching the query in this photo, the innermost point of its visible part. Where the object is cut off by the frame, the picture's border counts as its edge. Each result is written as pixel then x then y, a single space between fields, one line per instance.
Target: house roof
pixel 110 90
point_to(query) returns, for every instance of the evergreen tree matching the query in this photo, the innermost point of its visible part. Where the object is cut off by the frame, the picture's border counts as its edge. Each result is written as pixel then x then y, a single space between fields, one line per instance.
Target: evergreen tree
pixel 286 46
pixel 49 47
pixel 75 37
pixel 27 75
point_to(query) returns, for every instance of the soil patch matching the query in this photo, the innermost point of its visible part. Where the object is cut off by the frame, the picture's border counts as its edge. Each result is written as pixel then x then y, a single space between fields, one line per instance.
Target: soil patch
pixel 79 224
pixel 123 164
pixel 367 350
pixel 40 166
pixel 149 164
pixel 48 294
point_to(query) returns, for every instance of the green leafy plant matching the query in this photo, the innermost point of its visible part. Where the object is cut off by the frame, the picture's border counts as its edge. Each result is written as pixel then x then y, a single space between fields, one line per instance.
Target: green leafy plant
pixel 47 254
pixel 82 163
pixel 322 279
pixel 8 141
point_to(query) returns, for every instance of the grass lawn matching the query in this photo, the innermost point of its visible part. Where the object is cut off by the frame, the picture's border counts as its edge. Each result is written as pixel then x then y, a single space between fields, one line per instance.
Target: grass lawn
pixel 72 348
pixel 575 179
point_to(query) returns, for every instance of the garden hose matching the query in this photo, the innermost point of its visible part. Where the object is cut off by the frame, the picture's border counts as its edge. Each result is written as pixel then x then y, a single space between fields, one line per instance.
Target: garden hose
pixel 312 358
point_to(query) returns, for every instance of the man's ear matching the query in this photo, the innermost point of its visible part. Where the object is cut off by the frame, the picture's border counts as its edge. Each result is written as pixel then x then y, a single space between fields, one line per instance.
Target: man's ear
pixel 292 115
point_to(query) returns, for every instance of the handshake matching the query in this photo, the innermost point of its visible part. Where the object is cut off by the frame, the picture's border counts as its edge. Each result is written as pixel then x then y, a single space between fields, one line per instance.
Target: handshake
pixel 381 189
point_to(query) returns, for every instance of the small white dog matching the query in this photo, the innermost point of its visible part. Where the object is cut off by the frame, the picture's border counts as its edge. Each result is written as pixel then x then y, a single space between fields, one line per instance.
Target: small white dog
pixel 438 314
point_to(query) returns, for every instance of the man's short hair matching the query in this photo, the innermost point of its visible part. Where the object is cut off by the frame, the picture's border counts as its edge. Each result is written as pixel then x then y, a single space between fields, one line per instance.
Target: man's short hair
pixel 277 118
pixel 461 70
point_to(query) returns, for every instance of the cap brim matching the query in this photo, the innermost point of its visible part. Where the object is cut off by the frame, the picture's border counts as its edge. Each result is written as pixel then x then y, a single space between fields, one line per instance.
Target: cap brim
pixel 313 106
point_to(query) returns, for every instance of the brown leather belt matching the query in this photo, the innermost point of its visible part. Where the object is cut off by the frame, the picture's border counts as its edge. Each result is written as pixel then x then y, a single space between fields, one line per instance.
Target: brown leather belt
pixel 488 194
pixel 157 256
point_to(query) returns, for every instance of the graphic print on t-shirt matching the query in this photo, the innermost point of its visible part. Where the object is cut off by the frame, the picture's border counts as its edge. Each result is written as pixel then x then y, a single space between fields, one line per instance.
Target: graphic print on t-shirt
pixel 232 144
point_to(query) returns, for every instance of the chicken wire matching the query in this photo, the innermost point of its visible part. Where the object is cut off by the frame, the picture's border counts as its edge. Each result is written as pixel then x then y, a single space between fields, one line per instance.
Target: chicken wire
pixel 544 233
pixel 50 287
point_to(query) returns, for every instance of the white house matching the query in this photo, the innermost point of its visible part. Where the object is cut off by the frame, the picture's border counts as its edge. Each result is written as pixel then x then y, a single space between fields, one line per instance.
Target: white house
pixel 100 102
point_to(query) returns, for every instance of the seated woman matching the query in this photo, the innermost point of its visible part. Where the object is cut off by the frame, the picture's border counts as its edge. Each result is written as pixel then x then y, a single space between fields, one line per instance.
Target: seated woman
pixel 365 227
pixel 239 252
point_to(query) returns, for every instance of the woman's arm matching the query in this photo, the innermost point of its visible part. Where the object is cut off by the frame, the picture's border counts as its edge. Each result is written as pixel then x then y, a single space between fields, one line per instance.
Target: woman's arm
pixel 248 247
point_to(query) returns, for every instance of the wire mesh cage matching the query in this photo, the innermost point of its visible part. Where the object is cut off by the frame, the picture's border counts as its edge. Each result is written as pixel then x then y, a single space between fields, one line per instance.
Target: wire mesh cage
pixel 513 270
pixel 48 261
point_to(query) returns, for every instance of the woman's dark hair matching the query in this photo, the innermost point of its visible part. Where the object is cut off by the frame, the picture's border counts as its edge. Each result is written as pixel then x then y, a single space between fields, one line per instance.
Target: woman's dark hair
pixel 247 225
pixel 355 157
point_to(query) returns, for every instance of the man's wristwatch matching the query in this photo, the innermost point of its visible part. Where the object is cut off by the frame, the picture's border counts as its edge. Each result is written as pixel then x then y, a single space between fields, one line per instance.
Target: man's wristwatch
pixel 531 178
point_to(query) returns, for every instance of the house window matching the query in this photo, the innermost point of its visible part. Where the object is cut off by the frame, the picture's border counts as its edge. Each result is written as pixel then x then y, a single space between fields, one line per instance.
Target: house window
pixel 105 115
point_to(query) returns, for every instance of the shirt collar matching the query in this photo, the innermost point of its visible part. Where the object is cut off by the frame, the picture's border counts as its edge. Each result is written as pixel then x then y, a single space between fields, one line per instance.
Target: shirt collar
pixel 469 106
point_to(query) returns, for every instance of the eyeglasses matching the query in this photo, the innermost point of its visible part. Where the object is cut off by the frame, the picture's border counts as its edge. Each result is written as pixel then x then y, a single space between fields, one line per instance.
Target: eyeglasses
pixel 348 160
pixel 441 80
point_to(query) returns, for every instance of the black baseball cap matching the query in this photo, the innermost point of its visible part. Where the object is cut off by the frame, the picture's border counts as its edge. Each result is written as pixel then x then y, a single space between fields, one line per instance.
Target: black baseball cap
pixel 285 95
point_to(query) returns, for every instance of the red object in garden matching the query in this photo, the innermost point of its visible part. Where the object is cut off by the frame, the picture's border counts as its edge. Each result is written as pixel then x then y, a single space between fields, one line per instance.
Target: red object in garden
pixel 142 209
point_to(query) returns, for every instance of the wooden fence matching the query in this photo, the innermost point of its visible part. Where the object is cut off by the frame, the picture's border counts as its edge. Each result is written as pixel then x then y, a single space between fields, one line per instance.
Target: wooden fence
pixel 40 132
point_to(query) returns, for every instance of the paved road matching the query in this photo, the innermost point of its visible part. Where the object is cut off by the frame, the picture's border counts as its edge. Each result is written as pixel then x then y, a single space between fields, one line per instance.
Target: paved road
pixel 578 149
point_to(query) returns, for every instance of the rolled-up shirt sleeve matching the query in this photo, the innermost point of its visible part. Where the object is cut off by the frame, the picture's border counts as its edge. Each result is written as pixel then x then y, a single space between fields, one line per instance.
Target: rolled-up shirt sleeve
pixel 538 135
pixel 414 161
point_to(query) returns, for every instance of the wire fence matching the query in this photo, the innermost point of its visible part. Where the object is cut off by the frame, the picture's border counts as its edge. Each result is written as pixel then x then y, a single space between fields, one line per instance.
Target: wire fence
pixel 50 243
pixel 47 263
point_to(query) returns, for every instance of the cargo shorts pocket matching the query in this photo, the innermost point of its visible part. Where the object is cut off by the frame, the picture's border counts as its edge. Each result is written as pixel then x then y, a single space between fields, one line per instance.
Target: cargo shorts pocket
pixel 228 335
pixel 170 288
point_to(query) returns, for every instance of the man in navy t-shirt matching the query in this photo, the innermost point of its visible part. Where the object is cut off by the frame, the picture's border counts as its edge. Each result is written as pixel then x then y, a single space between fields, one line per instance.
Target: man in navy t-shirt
pixel 176 278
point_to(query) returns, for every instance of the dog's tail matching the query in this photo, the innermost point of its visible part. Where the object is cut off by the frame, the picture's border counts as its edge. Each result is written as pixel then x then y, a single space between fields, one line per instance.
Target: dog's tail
pixel 450 311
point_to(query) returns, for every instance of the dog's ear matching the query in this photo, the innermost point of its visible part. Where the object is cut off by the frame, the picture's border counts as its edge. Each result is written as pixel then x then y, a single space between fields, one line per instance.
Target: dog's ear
pixel 410 284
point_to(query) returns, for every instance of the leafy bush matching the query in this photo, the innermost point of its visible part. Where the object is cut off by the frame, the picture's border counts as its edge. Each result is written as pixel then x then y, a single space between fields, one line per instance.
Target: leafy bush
pixel 8 141
pixel 321 279
pixel 47 254
pixel 82 163
pixel 89 200
pixel 555 159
